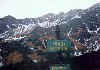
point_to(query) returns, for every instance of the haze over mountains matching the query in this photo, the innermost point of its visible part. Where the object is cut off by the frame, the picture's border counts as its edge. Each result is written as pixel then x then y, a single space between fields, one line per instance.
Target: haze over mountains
pixel 86 21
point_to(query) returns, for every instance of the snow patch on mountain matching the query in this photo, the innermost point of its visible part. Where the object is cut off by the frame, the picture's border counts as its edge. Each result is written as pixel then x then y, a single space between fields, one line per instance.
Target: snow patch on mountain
pixel 47 24
pixel 20 30
pixel 76 16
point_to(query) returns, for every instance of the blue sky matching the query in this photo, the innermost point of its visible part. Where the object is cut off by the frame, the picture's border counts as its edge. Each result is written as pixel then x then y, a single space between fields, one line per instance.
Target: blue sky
pixel 37 8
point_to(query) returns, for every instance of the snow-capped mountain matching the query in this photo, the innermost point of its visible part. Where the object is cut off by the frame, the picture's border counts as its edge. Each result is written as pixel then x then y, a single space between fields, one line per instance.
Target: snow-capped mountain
pixel 75 20
pixel 12 26
pixel 86 22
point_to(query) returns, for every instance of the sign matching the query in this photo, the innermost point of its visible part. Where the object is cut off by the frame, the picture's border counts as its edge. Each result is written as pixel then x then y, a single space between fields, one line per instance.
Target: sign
pixel 60 67
pixel 58 45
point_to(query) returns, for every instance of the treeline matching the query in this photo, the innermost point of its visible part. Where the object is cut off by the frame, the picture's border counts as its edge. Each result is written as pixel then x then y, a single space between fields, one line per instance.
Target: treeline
pixel 90 61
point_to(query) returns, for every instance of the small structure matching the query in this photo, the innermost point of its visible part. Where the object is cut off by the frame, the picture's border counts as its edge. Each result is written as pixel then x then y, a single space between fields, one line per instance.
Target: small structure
pixel 57 32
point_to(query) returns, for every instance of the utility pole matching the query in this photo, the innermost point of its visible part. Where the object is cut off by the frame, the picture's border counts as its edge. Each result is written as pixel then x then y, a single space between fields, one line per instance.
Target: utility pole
pixel 57 32
pixel 59 54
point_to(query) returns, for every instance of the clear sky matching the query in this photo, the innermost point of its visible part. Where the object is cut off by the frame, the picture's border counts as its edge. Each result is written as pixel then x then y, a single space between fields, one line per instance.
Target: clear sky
pixel 37 8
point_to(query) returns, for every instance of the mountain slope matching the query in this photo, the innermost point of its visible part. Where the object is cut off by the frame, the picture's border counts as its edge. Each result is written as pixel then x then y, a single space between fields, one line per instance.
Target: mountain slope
pixel 85 21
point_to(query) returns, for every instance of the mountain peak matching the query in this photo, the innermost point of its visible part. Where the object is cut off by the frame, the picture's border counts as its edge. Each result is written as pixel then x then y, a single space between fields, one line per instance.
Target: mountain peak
pixel 9 17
